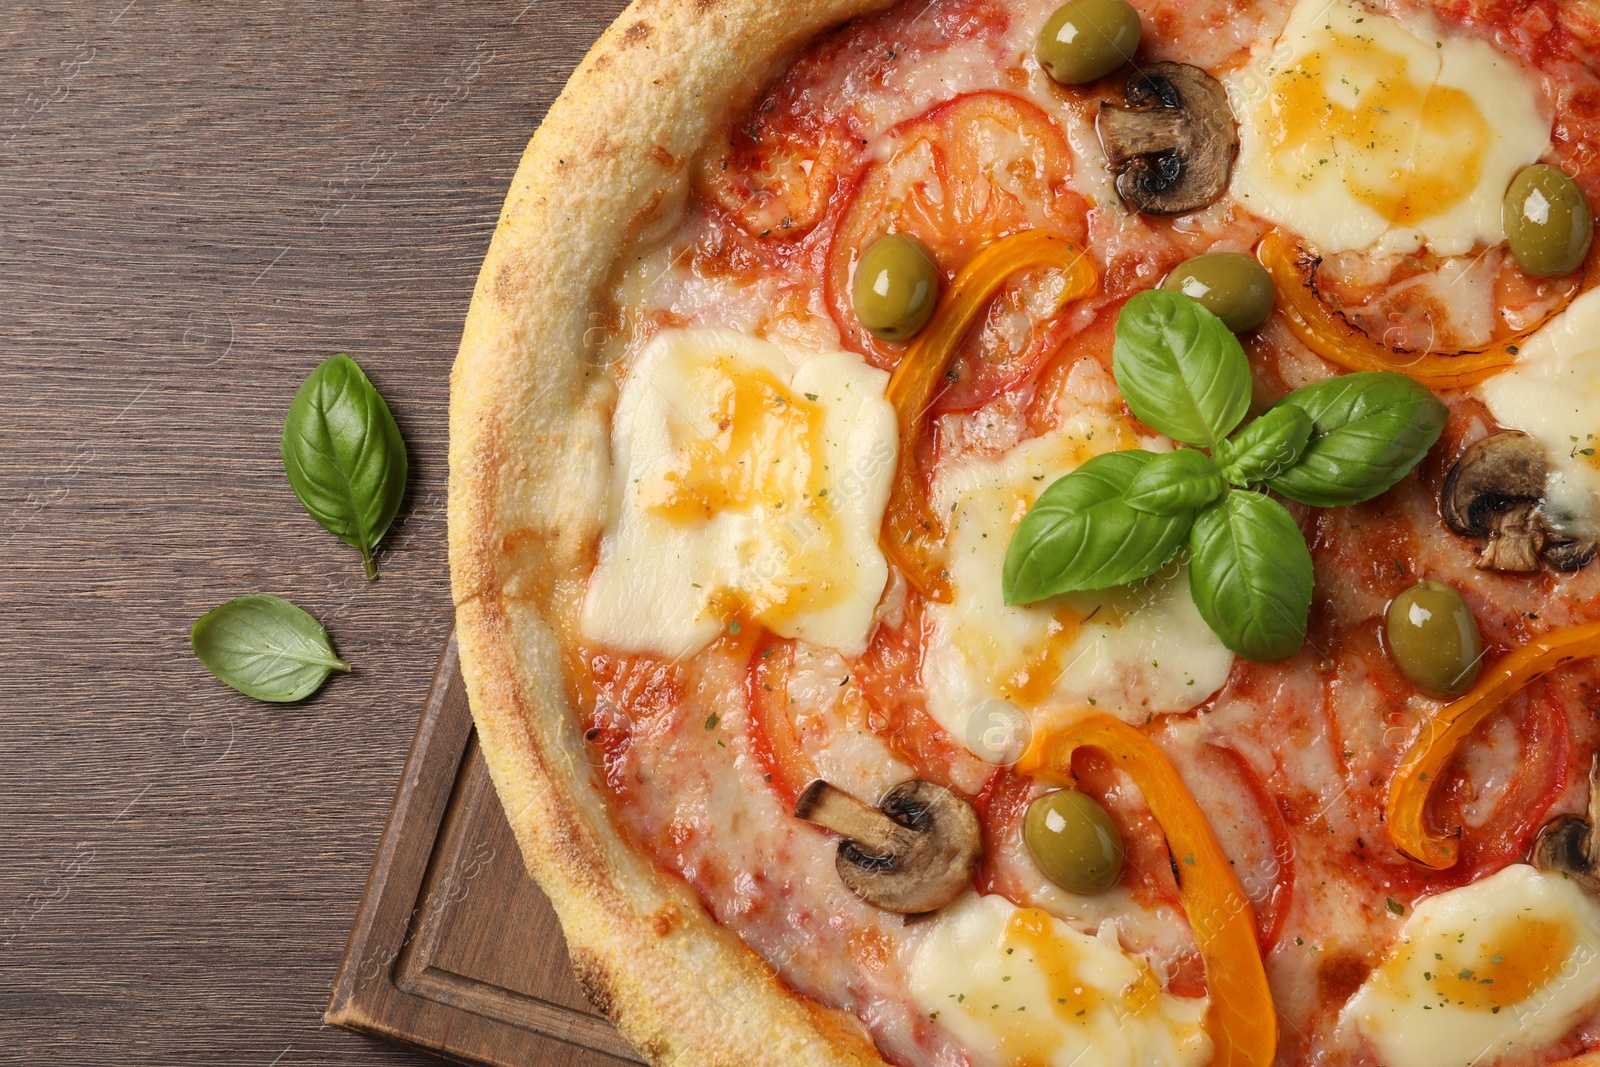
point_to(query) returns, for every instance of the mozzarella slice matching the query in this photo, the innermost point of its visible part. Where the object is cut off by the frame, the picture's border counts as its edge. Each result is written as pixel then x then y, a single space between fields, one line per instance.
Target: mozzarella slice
pixel 1507 963
pixel 1357 130
pixel 1016 986
pixel 743 487
pixel 1553 393
pixel 1133 651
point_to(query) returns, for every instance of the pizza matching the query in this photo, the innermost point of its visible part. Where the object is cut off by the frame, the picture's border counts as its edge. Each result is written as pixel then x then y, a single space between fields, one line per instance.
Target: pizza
pixel 1006 534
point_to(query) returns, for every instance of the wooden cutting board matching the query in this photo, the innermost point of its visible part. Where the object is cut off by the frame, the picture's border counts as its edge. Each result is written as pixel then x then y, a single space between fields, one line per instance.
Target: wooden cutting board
pixel 454 950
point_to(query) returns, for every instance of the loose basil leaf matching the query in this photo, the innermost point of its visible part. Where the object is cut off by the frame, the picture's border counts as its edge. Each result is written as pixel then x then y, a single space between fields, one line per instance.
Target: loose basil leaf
pixel 1368 430
pixel 1179 368
pixel 344 456
pixel 1174 483
pixel 1267 447
pixel 1250 575
pixel 1081 534
pixel 265 647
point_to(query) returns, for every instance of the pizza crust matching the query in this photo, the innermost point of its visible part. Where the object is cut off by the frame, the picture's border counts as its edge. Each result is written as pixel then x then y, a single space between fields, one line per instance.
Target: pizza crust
pixel 530 421
pixel 529 461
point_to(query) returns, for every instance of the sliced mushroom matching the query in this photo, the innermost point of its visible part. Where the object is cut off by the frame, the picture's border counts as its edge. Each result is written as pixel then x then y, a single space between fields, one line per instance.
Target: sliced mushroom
pixel 913 853
pixel 1496 491
pixel 1495 474
pixel 1568 554
pixel 1569 844
pixel 1172 144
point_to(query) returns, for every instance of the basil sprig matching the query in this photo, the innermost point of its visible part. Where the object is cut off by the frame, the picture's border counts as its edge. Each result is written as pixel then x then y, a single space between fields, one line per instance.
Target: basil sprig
pixel 265 647
pixel 1122 516
pixel 344 456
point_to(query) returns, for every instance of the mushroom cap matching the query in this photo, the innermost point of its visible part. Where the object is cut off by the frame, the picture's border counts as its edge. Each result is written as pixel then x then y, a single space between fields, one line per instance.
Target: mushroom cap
pixel 1563 846
pixel 1568 844
pixel 1496 490
pixel 914 853
pixel 1173 143
pixel 1493 474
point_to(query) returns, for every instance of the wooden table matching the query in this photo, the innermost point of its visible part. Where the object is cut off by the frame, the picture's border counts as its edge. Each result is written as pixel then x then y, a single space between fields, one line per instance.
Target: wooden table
pixel 199 202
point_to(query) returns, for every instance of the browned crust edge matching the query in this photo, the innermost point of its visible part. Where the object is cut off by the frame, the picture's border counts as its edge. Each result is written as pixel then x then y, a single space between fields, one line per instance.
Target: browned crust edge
pixel 529 459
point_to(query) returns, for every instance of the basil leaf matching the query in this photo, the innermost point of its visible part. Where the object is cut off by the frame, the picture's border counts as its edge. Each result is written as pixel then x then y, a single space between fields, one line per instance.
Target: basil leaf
pixel 1179 368
pixel 1081 534
pixel 265 647
pixel 1175 482
pixel 1267 447
pixel 1250 575
pixel 344 456
pixel 1368 430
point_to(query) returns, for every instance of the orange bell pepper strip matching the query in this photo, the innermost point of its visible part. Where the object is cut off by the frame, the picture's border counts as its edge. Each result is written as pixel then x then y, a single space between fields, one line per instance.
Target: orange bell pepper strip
pixel 913 536
pixel 1335 339
pixel 1240 1020
pixel 1436 744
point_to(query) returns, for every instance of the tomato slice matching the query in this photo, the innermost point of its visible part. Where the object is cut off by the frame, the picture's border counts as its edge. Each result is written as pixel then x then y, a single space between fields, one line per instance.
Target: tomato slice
pixel 1004 802
pixel 773 740
pixel 1147 871
pixel 890 676
pixel 786 155
pixel 1542 755
pixel 1269 879
pixel 1001 806
pixel 1532 740
pixel 628 697
pixel 958 177
pixel 1503 834
pixel 1094 342
pixel 775 182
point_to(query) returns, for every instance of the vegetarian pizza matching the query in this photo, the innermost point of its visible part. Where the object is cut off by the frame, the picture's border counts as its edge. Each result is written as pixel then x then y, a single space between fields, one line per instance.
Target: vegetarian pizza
pixel 996 534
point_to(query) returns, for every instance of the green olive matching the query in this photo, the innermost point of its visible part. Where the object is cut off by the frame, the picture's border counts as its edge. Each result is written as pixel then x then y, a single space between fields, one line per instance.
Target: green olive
pixel 896 287
pixel 1074 841
pixel 1547 221
pixel 1231 285
pixel 1434 639
pixel 1088 39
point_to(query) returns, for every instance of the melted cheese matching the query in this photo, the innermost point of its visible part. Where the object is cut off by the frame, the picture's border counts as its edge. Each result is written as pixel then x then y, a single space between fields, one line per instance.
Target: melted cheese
pixel 1132 651
pixel 1019 988
pixel 1509 962
pixel 1553 393
pixel 743 488
pixel 1360 130
pixel 832 722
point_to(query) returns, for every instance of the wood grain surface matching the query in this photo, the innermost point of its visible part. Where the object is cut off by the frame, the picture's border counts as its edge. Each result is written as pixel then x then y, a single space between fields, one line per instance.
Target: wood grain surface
pixel 199 202
pixel 454 948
